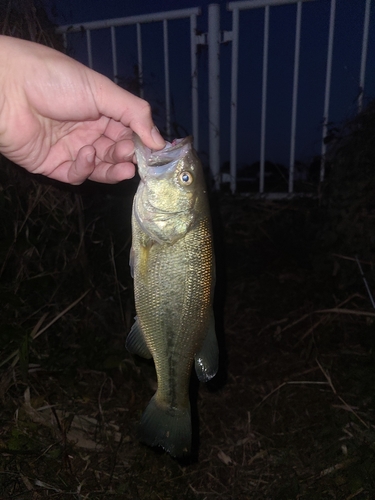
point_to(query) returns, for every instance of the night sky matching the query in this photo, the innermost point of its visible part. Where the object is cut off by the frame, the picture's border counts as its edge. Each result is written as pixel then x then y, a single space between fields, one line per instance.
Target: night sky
pixel 313 58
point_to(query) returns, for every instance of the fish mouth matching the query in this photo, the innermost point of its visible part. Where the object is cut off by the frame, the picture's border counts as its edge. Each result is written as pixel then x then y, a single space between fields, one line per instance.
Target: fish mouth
pixel 159 161
pixel 171 152
pixel 163 219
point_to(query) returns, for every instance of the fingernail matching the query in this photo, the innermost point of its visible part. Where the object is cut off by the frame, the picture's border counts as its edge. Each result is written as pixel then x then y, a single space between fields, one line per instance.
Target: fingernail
pixel 129 155
pixel 158 139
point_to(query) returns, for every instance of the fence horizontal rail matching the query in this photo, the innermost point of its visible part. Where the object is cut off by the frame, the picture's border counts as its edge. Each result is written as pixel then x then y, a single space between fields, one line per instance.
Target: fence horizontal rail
pixel 229 172
pixel 131 20
pixel 256 4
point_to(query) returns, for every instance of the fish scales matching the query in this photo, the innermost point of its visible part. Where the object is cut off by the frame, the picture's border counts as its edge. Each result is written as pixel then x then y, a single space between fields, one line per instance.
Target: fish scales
pixel 177 289
pixel 172 261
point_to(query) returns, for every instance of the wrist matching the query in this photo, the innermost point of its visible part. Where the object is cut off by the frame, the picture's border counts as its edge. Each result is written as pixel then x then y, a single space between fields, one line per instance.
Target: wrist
pixel 4 69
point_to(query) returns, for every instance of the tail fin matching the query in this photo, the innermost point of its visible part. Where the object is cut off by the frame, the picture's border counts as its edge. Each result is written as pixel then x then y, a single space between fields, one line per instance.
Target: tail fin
pixel 169 428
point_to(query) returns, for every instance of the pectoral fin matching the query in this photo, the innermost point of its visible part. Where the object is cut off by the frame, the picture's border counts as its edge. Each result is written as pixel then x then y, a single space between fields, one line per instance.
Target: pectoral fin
pixel 207 359
pixel 136 343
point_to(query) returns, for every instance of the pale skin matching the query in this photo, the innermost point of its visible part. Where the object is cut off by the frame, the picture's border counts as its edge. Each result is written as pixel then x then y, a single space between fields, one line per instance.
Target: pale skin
pixel 63 120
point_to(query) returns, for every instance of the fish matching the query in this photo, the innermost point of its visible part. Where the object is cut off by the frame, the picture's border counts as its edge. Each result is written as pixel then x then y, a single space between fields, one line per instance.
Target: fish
pixel 173 266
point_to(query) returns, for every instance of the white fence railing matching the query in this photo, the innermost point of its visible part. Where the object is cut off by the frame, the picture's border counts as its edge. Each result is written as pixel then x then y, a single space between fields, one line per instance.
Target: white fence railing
pixel 137 21
pixel 214 38
pixel 236 7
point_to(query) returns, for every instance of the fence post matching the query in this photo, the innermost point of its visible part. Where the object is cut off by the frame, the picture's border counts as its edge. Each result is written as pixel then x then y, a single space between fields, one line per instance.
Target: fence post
pixel 264 98
pixel 327 93
pixel 214 90
pixel 297 44
pixel 366 26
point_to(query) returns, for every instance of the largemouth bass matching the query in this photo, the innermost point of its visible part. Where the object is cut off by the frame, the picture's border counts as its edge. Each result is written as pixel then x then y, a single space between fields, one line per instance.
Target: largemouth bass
pixel 172 262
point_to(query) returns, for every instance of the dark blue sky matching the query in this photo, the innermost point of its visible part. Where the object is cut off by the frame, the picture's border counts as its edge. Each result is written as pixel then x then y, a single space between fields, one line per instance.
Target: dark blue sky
pixel 313 57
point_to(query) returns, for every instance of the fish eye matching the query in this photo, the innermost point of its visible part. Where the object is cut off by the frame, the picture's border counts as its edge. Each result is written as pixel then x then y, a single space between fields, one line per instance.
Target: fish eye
pixel 186 178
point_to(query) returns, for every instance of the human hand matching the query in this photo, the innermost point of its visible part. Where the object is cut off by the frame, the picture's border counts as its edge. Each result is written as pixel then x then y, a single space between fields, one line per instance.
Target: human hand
pixel 63 120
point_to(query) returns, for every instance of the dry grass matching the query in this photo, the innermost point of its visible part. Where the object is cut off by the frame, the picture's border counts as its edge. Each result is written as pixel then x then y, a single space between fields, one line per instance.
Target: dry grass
pixel 290 416
pixel 28 19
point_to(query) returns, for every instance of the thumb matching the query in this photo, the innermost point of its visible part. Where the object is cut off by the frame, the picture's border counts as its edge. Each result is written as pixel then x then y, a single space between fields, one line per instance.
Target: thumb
pixel 132 111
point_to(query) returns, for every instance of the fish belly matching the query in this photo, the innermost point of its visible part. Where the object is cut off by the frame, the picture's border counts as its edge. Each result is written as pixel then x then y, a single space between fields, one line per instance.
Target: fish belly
pixel 173 286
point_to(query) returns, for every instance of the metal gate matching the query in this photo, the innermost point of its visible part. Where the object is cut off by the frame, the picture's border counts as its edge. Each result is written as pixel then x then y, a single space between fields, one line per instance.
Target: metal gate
pixel 214 38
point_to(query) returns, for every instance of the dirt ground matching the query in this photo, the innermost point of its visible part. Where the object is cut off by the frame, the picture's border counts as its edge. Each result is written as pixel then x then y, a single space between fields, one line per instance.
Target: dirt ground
pixel 290 414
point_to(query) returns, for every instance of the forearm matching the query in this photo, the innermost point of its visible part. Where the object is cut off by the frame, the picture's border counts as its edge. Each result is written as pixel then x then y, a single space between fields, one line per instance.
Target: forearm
pixel 5 68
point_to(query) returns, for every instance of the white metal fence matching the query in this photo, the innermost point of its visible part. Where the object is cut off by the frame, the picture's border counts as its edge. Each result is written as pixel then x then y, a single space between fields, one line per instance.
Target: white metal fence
pixel 214 38
pixel 138 21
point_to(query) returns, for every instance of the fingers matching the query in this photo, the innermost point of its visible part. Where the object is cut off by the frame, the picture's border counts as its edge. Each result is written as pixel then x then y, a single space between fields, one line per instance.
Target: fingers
pixel 111 152
pixel 80 169
pixel 139 123
pixel 116 131
pixel 88 166
pixel 130 110
pixel 112 174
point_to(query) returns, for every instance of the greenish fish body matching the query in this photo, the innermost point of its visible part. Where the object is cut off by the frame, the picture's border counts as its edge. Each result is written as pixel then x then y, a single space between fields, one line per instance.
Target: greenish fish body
pixel 172 263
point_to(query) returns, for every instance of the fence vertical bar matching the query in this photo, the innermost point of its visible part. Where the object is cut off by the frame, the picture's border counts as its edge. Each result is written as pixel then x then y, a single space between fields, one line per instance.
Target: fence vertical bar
pixel 328 85
pixel 140 62
pixel 214 90
pixel 233 102
pixel 114 54
pixel 89 49
pixel 264 97
pixel 295 97
pixel 166 75
pixel 366 24
pixel 194 78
